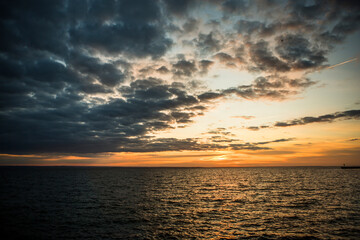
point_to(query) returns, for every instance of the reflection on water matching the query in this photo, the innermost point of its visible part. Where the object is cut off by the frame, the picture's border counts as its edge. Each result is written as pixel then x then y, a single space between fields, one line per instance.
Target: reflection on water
pixel 179 203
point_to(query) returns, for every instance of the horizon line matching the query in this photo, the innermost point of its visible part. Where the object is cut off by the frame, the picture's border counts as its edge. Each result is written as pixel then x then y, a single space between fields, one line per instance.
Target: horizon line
pixel 106 166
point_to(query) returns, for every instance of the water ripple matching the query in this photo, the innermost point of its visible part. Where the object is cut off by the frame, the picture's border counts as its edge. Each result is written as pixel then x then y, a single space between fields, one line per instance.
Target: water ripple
pixel 180 203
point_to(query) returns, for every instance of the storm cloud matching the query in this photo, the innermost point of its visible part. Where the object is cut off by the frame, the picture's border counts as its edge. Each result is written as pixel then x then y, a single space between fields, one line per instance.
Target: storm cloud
pixel 71 125
pixel 106 76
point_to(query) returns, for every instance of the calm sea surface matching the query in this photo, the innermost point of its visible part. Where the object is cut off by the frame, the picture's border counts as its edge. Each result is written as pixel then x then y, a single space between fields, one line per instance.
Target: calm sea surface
pixel 179 203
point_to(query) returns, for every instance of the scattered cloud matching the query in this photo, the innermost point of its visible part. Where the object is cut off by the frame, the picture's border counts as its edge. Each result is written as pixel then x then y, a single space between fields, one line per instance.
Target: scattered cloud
pixel 258 145
pixel 328 118
pixel 350 114
pixel 272 87
pixel 184 68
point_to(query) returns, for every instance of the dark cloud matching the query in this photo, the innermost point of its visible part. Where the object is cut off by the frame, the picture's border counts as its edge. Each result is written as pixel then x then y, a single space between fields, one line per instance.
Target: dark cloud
pixel 257 145
pixel 248 146
pixel 276 141
pixel 205 66
pixel 36 25
pixel 197 108
pixel 52 56
pixel 224 140
pixel 305 32
pixel 265 60
pixel 310 11
pixel 253 128
pixel 220 131
pixel 169 144
pixel 345 115
pixel 42 63
pixel 163 70
pixel 229 60
pixel 254 28
pixel 107 74
pixel 341 30
pixel 179 8
pixel 299 53
pixel 256 128
pixel 190 25
pixel 221 136
pixel 174 144
pixel 57 119
pixel 133 30
pixel 111 26
pixel 271 87
pixel 235 6
pixel 249 27
pixel 208 43
pixel 301 43
pixel 223 57
pixel 351 114
pixel 133 40
pixel 65 123
pixel 184 68
pixel 210 96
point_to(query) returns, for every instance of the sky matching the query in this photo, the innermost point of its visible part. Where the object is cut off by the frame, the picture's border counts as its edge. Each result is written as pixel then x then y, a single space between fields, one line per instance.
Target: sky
pixel 180 83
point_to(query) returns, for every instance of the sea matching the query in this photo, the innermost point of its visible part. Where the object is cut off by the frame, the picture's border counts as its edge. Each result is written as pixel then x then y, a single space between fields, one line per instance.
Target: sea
pixel 179 203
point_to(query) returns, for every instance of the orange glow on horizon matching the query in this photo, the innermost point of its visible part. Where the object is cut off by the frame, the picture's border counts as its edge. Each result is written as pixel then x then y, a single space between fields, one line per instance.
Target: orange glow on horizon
pixel 331 153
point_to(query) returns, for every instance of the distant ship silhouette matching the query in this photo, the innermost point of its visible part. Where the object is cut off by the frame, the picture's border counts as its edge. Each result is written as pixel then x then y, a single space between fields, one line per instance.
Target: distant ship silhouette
pixel 349 167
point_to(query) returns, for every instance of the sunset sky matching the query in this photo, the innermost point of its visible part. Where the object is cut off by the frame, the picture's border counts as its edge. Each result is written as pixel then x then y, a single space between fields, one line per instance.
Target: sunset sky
pixel 180 83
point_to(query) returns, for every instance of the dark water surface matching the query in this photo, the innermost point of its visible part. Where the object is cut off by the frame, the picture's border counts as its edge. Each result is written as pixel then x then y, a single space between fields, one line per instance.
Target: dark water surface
pixel 179 203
